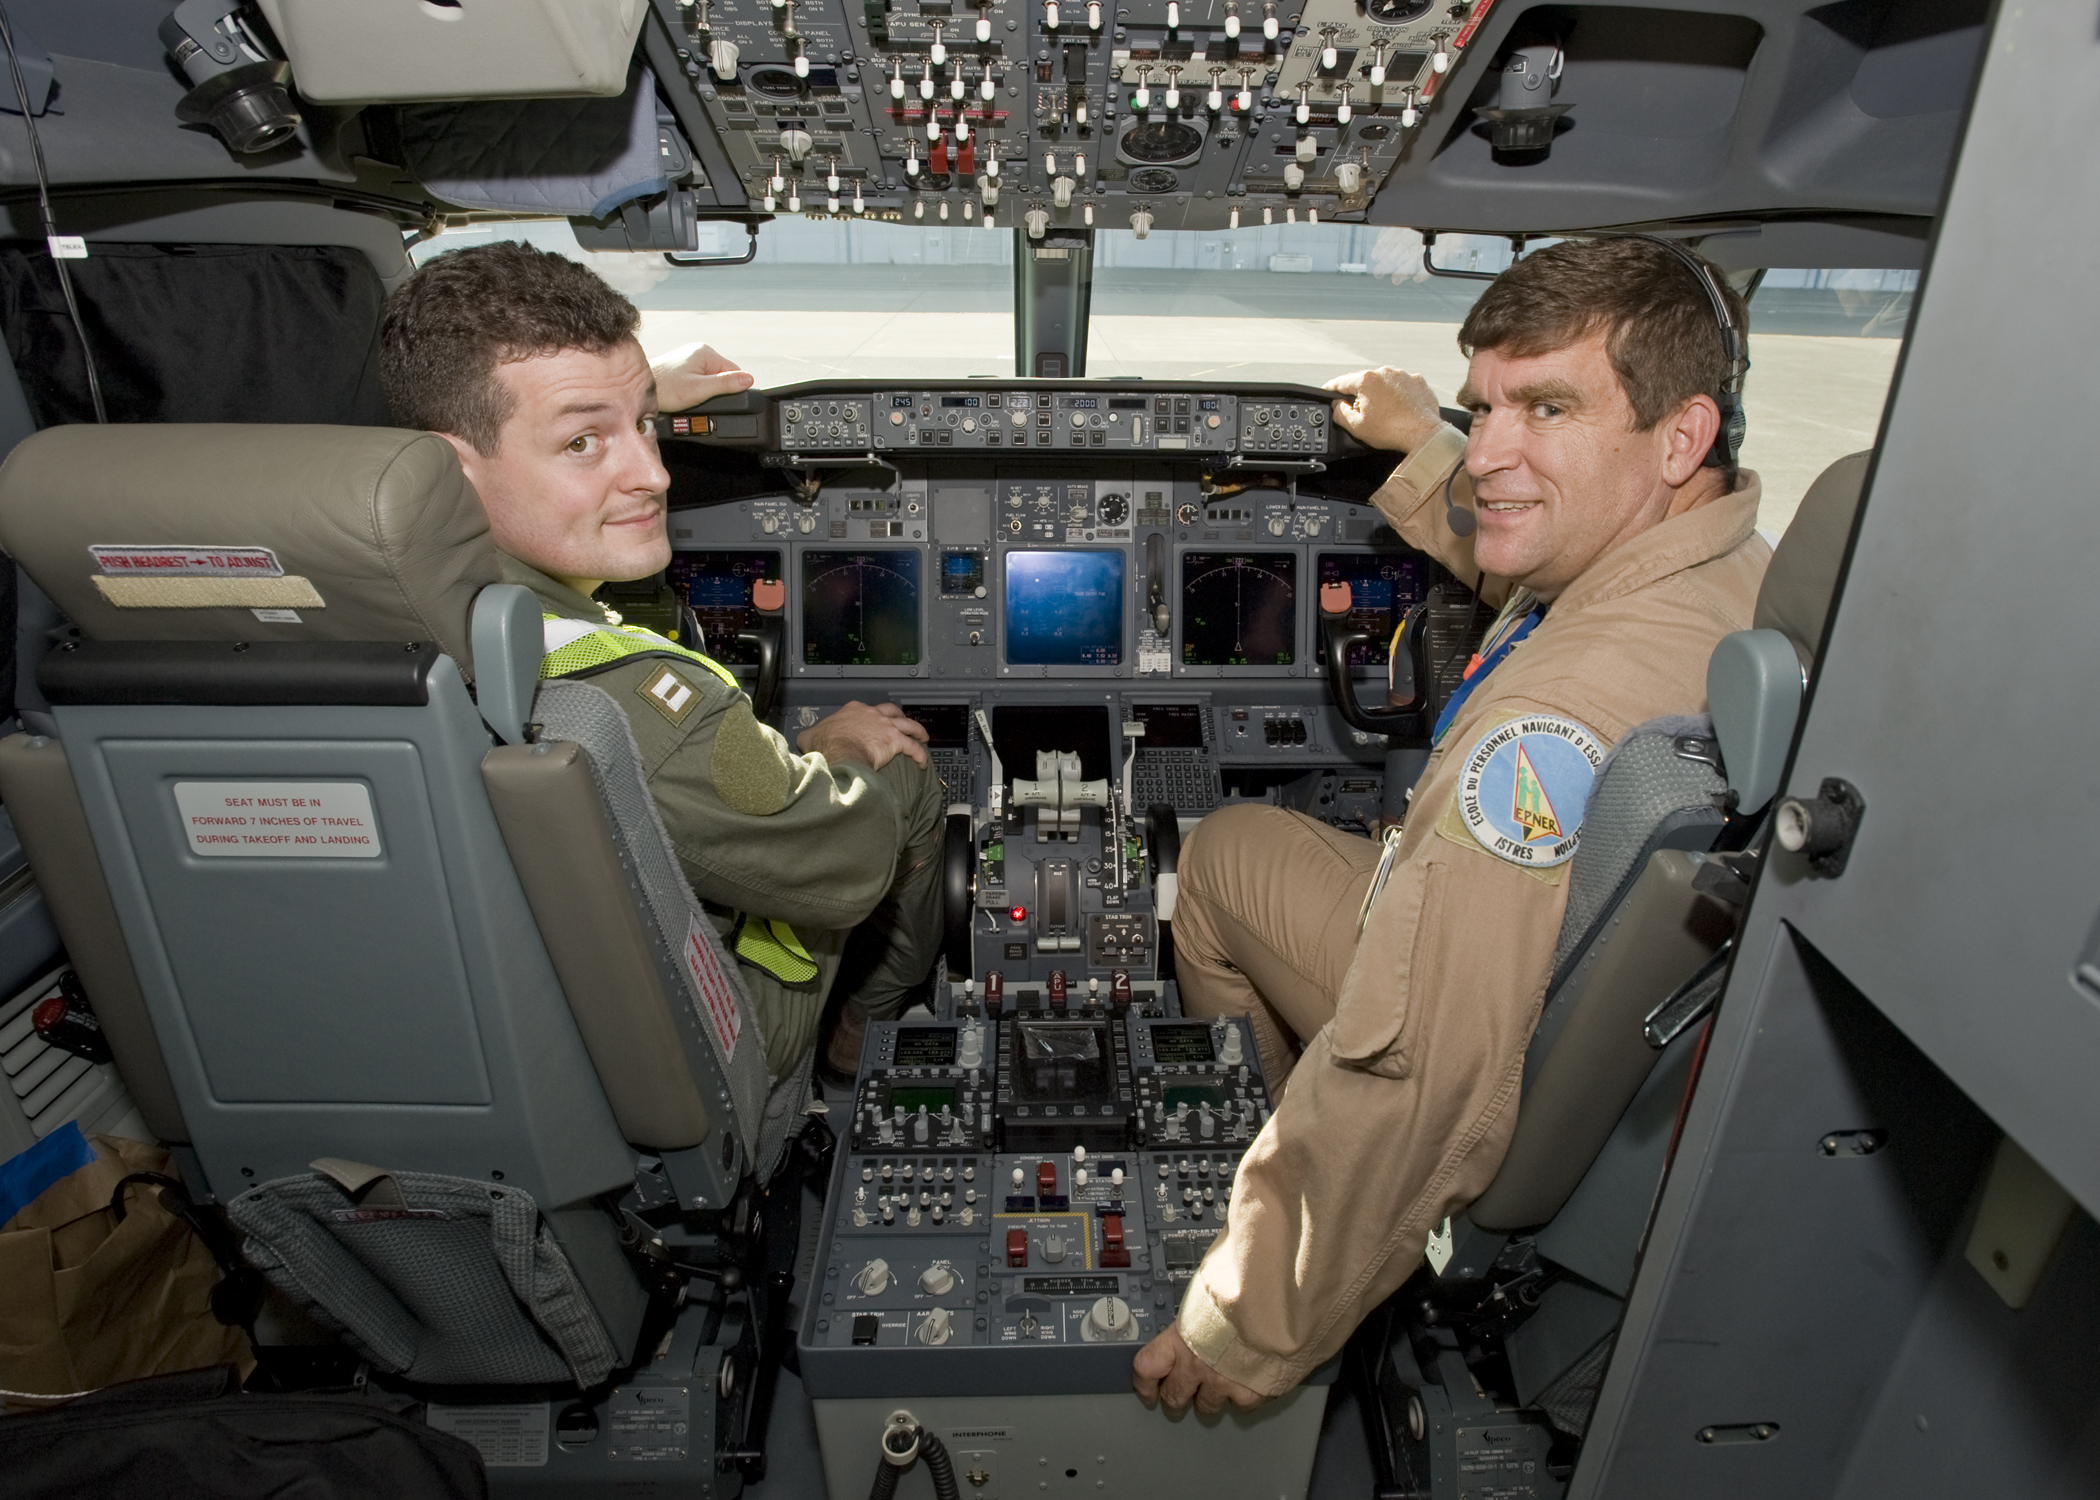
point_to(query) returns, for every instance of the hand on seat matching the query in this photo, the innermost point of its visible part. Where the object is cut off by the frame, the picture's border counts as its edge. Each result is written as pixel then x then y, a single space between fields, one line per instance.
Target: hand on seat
pixel 865 735
pixel 1391 408
pixel 1168 1370
pixel 689 376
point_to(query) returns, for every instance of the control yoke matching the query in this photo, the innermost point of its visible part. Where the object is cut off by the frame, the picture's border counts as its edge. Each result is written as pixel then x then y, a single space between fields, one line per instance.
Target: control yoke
pixel 1057 793
pixel 1403 718
pixel 769 635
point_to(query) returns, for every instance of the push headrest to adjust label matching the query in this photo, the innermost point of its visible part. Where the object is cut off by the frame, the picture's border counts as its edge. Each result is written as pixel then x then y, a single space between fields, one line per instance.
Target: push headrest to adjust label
pixel 147 561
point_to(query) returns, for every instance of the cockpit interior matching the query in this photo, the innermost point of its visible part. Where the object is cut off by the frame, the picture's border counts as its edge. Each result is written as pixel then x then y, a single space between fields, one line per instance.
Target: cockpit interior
pixel 343 947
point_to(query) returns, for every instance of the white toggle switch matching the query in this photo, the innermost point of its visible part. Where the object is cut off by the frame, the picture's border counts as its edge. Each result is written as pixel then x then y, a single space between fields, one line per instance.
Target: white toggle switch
pixel 831 183
pixel 984 28
pixel 1268 27
pixel 938 52
pixel 911 159
pixel 1246 100
pixel 860 204
pixel 1050 162
pixel 1038 220
pixel 991 159
pixel 1293 176
pixel 1079 1177
pixel 1215 99
pixel 801 64
pixel 1377 75
pixel 897 80
pixel 1115 1176
pixel 722 58
pixel 1061 191
pixel 1268 216
pixel 1409 114
pixel 1079 164
pixel 933 129
pixel 831 204
pixel 1348 177
pixel 926 85
pixel 1019 1178
pixel 1440 60
pixel 1232 23
pixel 1173 14
pixel 1079 1152
pixel 1093 15
pixel 1142 99
pixel 1329 57
pixel 1312 216
pixel 1079 112
pixel 778 182
pixel 874 1278
pixel 1342 112
pixel 987 90
pixel 769 202
pixel 969 210
pixel 962 129
pixel 1234 220
pixel 1173 97
pixel 956 88
pixel 1141 221
pixel 1304 113
pixel 1088 212
pixel 944 209
pixel 1050 14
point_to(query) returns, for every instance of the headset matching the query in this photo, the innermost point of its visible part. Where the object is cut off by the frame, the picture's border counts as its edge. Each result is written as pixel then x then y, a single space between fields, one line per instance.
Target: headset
pixel 1735 347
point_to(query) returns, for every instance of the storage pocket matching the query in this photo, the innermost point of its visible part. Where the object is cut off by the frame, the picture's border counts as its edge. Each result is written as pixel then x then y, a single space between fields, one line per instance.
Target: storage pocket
pixel 1373 1026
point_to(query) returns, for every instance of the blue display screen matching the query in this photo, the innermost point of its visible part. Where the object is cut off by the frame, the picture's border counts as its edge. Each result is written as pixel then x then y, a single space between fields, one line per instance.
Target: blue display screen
pixel 1064 608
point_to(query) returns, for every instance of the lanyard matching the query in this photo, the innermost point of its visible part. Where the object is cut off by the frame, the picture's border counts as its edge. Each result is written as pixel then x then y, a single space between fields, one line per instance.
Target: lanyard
pixel 1519 617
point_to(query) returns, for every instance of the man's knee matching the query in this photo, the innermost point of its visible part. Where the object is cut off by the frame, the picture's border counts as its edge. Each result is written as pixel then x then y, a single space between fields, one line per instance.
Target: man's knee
pixel 1221 844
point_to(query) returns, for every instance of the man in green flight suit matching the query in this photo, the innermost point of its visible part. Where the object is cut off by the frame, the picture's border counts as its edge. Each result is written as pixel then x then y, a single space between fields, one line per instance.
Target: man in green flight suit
pixel 821 867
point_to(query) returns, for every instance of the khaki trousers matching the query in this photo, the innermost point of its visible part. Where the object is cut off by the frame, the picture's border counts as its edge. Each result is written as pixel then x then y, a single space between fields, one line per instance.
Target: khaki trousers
pixel 1265 924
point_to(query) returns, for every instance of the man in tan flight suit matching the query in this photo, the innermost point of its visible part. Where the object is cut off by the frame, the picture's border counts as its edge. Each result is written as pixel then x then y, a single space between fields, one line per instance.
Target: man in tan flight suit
pixel 1617 536
pixel 820 867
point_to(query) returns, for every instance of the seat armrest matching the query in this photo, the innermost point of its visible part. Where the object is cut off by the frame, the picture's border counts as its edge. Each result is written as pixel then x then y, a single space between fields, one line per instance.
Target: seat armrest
pixel 582 898
pixel 1754 685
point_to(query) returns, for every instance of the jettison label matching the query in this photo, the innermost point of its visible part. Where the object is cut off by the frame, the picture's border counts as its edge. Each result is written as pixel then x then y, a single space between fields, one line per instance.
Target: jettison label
pixel 1525 786
pixel 278 819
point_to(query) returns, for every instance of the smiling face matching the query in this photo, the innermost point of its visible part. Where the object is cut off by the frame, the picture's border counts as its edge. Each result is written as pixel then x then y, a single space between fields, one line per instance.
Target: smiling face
pixel 575 487
pixel 1560 475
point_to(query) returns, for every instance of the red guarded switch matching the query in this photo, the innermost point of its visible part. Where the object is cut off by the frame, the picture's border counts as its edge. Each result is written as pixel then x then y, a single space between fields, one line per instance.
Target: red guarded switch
pixel 1046 1179
pixel 966 157
pixel 1017 1247
pixel 937 158
pixel 1115 1255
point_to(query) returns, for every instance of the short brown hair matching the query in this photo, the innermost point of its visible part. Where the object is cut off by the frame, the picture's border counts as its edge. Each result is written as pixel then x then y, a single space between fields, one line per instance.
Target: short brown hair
pixel 461 315
pixel 1659 322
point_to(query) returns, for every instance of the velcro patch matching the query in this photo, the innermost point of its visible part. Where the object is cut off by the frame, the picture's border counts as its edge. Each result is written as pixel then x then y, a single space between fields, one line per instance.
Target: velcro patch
pixel 670 694
pixel 1523 788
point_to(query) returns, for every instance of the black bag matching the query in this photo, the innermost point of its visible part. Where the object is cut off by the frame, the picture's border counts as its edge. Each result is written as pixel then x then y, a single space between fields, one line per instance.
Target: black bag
pixel 195 1436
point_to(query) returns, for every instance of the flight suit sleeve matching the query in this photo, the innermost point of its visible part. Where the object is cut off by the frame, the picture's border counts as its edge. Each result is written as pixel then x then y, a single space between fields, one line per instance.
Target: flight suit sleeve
pixel 1398 1113
pixel 1413 501
pixel 756 826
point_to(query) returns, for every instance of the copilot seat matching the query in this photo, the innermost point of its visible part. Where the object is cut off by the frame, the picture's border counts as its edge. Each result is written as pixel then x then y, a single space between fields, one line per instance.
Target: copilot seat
pixel 386 936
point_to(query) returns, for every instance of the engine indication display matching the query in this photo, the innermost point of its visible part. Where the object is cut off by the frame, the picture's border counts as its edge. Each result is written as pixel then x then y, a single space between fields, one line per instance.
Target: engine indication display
pixel 1381 590
pixel 1240 608
pixel 1064 608
pixel 860 609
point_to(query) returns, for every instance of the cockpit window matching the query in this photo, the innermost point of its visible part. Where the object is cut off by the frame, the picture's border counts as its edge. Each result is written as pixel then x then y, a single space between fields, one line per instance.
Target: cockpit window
pixel 830 298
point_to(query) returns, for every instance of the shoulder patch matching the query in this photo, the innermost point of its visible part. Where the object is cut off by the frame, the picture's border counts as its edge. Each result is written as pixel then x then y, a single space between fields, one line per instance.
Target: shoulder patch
pixel 1523 788
pixel 750 764
pixel 666 691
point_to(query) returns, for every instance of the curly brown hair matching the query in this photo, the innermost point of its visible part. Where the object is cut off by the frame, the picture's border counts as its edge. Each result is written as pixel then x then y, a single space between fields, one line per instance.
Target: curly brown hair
pixel 461 315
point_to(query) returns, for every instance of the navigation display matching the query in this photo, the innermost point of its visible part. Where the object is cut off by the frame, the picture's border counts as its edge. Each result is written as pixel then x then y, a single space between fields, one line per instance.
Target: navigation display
pixel 860 609
pixel 1064 609
pixel 717 585
pixel 1239 609
pixel 1382 589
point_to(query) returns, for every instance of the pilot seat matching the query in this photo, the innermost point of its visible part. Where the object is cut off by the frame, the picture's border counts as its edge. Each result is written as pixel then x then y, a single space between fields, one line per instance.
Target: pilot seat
pixel 393 951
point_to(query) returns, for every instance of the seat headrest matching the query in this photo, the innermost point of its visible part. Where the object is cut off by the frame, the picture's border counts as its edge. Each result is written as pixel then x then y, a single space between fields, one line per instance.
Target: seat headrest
pixel 1795 598
pixel 235 532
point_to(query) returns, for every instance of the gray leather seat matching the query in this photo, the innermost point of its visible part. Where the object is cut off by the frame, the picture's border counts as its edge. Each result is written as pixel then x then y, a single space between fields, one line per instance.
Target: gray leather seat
pixel 330 895
pixel 1641 960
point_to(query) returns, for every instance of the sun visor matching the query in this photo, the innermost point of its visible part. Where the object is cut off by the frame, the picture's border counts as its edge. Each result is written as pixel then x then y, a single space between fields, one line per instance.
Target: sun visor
pixel 230 532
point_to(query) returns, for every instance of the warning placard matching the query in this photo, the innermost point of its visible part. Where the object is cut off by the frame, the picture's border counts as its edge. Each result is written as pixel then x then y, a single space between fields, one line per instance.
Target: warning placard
pixel 716 997
pixel 279 819
pixel 118 561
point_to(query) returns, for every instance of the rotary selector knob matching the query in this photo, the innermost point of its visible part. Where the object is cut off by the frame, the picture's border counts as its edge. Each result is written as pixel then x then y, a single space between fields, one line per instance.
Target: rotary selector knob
pixel 1114 510
pixel 797 144
pixel 937 1280
pixel 722 58
pixel 1109 1319
pixel 874 1278
pixel 1277 525
pixel 937 1327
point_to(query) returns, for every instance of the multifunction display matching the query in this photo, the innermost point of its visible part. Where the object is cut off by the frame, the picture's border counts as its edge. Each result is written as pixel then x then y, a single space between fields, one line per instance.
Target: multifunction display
pixel 1064 608
pixel 717 587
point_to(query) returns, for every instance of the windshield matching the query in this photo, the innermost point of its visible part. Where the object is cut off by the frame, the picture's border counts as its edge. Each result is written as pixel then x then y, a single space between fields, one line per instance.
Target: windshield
pixel 862 299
